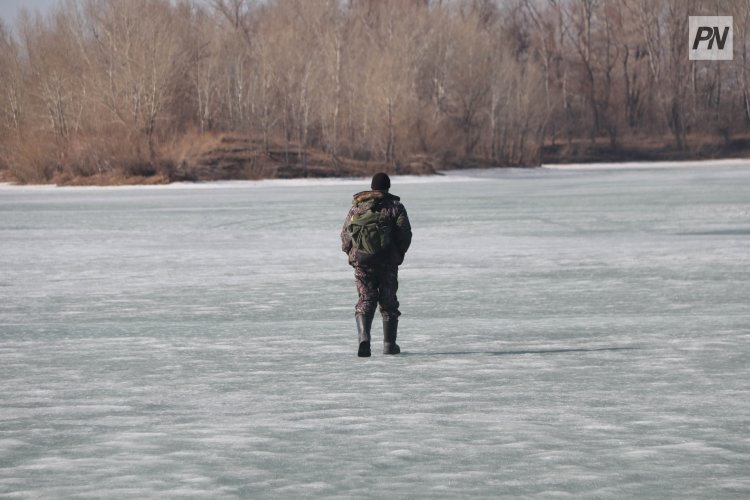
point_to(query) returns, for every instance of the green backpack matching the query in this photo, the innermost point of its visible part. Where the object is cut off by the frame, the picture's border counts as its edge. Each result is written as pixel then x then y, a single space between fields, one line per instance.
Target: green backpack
pixel 370 233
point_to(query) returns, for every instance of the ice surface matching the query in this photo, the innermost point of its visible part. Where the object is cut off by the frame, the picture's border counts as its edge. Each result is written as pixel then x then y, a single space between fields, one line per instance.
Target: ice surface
pixel 565 333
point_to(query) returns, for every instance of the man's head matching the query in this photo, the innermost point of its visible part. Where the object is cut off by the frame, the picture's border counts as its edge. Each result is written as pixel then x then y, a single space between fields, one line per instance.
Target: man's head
pixel 380 182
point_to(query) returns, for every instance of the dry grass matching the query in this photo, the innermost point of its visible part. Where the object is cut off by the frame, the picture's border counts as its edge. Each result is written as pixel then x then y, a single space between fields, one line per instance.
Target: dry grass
pixel 31 160
pixel 103 158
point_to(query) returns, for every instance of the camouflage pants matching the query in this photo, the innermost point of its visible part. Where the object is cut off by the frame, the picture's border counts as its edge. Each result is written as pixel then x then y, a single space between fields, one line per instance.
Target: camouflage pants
pixel 377 285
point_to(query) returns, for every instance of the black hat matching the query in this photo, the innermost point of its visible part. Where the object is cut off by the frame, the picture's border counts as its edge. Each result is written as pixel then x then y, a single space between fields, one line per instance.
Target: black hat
pixel 380 182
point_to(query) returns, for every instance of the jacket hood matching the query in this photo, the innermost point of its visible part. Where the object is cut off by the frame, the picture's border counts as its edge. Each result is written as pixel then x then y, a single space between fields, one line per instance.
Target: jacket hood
pixel 364 196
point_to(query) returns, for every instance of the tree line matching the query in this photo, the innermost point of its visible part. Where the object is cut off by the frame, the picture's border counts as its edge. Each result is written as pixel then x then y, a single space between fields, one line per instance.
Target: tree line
pixel 114 85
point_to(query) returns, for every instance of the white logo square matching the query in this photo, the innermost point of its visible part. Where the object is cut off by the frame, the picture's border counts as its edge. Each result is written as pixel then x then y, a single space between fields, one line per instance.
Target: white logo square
pixel 711 38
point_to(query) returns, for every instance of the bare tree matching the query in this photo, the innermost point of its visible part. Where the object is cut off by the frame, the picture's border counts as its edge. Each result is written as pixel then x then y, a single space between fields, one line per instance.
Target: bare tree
pixel 139 57
pixel 11 83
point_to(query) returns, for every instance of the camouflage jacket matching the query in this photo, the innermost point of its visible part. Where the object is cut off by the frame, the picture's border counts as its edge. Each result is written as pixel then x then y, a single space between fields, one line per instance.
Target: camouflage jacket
pixel 394 211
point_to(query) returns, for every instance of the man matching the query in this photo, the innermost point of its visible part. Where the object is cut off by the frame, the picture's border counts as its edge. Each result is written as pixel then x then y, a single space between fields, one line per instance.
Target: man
pixel 376 236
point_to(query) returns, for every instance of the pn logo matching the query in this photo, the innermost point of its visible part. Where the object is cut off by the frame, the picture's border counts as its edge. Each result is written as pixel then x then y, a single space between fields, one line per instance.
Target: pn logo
pixel 711 38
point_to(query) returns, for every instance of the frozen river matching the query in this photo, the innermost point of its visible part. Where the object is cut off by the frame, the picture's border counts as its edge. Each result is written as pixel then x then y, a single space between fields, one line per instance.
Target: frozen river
pixel 578 333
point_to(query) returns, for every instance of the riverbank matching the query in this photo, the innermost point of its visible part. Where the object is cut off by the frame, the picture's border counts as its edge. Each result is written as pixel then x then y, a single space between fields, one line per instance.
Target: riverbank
pixel 646 149
pixel 221 157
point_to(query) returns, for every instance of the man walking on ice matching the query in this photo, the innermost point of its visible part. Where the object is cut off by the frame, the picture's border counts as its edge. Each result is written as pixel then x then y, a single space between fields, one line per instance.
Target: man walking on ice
pixel 376 236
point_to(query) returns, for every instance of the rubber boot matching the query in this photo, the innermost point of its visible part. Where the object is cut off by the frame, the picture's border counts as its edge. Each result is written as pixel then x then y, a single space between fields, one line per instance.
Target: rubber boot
pixel 390 330
pixel 364 324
